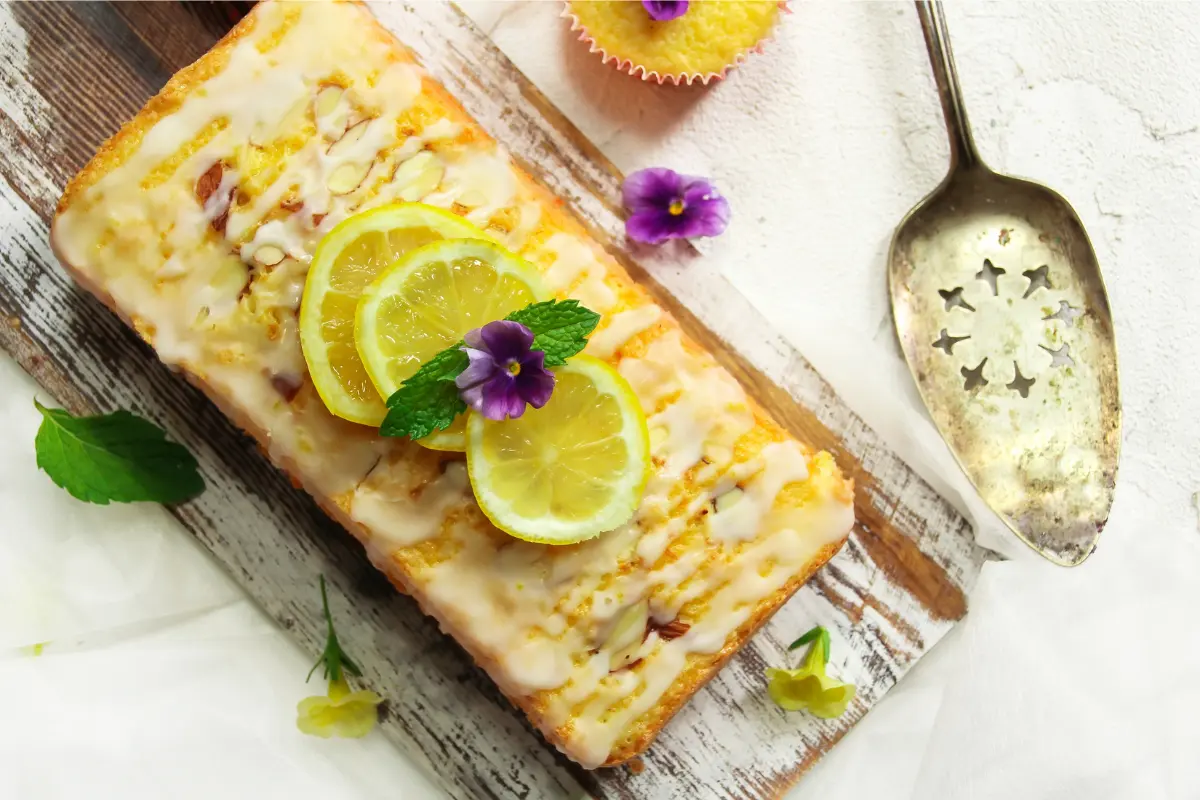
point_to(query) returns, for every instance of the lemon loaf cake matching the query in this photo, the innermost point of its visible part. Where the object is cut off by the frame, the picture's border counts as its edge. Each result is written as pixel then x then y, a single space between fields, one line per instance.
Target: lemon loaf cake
pixel 197 223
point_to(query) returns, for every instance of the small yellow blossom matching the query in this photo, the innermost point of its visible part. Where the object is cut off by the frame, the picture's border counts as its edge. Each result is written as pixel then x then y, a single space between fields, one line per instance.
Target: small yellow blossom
pixel 809 688
pixel 341 713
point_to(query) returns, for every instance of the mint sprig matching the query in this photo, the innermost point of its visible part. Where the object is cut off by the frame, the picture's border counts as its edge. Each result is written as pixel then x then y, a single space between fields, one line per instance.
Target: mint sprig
pixel 429 400
pixel 114 458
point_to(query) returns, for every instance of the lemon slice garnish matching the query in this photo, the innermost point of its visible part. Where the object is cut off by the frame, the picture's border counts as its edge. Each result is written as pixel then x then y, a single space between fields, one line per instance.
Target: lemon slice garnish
pixel 345 262
pixel 570 470
pixel 428 301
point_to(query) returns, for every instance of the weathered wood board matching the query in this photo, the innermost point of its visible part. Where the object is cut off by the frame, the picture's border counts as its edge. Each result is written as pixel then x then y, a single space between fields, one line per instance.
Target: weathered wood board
pixel 70 74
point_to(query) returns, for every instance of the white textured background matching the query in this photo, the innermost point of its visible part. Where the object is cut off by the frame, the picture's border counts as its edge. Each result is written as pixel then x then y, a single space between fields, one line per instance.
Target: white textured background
pixel 162 681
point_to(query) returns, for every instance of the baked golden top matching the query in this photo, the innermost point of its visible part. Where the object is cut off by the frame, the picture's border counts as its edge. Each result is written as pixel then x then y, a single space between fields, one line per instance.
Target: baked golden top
pixel 197 223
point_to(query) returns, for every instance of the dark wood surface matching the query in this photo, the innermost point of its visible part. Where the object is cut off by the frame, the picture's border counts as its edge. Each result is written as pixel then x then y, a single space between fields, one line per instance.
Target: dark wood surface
pixel 74 72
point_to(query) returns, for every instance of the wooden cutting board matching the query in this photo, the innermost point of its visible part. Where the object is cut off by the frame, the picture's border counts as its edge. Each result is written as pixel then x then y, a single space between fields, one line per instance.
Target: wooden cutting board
pixel 71 74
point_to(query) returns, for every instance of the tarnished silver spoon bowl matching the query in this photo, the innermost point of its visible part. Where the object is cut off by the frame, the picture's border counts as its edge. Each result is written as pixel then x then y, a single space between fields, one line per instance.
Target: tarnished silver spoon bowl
pixel 1004 320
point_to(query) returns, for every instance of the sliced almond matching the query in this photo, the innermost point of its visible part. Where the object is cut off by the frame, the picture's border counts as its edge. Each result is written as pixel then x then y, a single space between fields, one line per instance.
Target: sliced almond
pixel 288 384
pixel 215 208
pixel 630 627
pixel 173 267
pixel 230 278
pixel 292 121
pixel 626 634
pixel 348 139
pixel 347 177
pixel 209 181
pixel 269 255
pixel 295 119
pixel 419 176
pixel 672 630
pixel 327 100
pixel 472 198
pixel 221 218
pixel 624 658
pixel 728 500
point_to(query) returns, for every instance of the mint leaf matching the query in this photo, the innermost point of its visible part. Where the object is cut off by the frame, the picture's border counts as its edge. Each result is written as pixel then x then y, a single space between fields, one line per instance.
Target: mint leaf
pixel 116 457
pixel 560 328
pixel 428 401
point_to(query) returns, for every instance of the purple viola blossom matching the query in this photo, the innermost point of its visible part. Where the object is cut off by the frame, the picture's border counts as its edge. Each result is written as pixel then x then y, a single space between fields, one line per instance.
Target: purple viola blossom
pixel 503 374
pixel 666 205
pixel 665 10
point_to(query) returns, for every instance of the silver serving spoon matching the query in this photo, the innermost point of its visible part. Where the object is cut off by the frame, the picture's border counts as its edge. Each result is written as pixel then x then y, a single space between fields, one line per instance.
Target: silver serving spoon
pixel 1004 321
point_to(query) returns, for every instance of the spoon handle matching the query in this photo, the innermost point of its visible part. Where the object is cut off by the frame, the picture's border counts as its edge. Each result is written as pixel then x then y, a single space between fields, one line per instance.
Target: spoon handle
pixel 941 58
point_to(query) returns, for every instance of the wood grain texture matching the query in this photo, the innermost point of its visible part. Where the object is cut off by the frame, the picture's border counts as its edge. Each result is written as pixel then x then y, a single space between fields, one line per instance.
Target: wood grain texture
pixel 72 74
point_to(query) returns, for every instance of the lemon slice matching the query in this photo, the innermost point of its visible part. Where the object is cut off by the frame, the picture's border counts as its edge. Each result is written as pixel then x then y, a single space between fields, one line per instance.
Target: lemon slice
pixel 346 260
pixel 567 471
pixel 427 301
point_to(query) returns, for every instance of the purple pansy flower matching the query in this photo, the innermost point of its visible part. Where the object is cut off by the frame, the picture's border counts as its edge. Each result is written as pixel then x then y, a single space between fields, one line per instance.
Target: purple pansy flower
pixel 503 374
pixel 664 10
pixel 666 205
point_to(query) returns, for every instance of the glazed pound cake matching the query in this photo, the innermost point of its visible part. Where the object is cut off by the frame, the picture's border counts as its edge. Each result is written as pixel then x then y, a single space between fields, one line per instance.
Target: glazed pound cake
pixel 197 222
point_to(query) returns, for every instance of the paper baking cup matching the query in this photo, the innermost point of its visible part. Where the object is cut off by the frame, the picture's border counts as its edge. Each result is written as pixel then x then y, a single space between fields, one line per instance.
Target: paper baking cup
pixel 638 71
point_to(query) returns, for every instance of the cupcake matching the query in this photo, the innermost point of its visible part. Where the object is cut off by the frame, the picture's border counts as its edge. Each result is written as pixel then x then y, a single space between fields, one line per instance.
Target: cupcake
pixel 679 42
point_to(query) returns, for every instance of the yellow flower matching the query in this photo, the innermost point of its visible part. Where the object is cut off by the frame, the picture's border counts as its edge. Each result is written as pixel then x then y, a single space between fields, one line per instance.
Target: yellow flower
pixel 341 713
pixel 809 688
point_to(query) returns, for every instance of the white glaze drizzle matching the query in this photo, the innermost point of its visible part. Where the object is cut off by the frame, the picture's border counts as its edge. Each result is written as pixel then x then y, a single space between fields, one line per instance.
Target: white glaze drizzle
pixel 784 463
pixel 483 182
pixel 573 258
pixel 396 519
pixel 621 327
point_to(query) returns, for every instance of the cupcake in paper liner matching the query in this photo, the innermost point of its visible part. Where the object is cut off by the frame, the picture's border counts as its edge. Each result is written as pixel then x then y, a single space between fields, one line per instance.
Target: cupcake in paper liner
pixel 675 42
